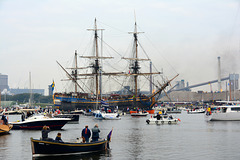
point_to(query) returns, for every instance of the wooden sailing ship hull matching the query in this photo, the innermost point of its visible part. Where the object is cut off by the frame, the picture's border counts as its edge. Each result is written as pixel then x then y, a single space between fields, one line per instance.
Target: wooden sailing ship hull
pixel 84 104
pixel 41 148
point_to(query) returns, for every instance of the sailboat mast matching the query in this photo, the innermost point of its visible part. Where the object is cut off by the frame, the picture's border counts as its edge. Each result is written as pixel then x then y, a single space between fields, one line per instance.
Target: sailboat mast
pixel 30 87
pixel 135 66
pixel 96 60
pixel 100 71
pixel 150 78
pixel 136 62
pixel 75 74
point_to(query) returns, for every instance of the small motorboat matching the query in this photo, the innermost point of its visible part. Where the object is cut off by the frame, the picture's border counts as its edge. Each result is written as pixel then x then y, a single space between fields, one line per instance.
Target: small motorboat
pixel 47 148
pixel 172 110
pixel 139 114
pixel 111 116
pixel 107 116
pixel 4 129
pixel 163 119
pixel 167 121
pixel 36 122
pixel 195 111
pixel 153 119
pixel 51 147
pixel 224 113
pixel 150 111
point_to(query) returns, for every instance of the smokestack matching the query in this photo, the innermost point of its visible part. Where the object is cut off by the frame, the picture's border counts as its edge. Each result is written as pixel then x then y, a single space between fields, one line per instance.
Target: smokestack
pixel 219 75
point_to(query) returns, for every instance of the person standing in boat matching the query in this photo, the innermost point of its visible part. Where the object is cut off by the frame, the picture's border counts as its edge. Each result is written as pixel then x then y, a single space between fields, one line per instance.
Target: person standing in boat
pixel 95 133
pixel 86 133
pixel 45 132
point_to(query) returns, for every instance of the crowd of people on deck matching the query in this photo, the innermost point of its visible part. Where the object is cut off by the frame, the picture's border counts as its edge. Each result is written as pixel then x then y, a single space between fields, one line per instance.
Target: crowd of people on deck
pixel 85 135
pixel 45 112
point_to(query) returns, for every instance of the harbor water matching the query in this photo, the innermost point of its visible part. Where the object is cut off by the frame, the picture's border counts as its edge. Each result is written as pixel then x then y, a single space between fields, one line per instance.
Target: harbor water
pixel 133 138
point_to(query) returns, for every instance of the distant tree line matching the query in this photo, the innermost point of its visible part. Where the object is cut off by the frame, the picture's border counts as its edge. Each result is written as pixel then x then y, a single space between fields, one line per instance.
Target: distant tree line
pixel 24 98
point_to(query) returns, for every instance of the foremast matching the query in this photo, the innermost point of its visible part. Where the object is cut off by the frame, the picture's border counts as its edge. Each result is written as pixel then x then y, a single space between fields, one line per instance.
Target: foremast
pixel 96 66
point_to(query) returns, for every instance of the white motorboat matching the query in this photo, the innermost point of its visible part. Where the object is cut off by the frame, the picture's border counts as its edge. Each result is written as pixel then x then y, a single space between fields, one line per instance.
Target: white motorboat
pixel 224 113
pixel 168 120
pixel 140 113
pixel 107 116
pixel 37 122
pixel 163 119
pixel 111 116
pixel 195 111
pixel 172 110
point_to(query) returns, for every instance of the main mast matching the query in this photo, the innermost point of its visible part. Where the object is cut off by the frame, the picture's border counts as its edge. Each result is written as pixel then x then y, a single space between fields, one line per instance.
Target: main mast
pixel 74 73
pixel 96 65
pixel 135 66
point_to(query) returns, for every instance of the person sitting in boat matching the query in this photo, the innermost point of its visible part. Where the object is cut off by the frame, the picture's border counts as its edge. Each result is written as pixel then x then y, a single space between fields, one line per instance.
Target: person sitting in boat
pixel 158 116
pixel 45 132
pixel 5 121
pixel 28 114
pixel 95 133
pixel 23 116
pixel 86 133
pixel 58 138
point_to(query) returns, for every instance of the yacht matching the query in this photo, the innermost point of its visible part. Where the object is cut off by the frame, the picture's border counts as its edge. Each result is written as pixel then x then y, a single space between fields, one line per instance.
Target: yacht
pixel 36 122
pixel 224 113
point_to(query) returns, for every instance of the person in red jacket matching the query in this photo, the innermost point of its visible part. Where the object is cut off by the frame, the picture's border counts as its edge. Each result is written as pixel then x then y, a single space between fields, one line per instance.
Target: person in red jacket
pixel 86 133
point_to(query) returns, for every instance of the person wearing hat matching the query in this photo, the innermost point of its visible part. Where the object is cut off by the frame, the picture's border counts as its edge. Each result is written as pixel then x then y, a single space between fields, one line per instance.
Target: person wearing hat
pixel 86 133
pixel 95 133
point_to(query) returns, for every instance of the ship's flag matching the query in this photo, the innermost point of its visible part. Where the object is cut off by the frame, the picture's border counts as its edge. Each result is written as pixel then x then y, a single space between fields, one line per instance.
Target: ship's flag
pixel 53 85
pixel 109 136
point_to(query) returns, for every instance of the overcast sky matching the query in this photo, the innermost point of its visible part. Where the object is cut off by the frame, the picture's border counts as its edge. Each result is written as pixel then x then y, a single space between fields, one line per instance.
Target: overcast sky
pixel 184 36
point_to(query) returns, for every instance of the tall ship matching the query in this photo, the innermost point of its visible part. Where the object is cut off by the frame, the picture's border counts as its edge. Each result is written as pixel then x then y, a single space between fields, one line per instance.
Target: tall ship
pixel 94 98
